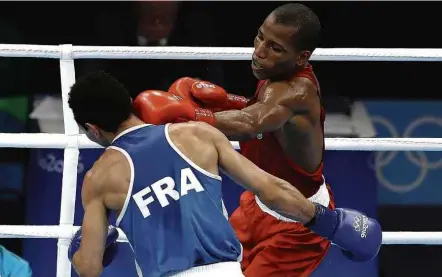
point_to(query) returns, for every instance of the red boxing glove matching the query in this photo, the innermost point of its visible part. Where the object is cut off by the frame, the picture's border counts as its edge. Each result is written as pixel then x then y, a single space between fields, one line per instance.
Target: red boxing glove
pixel 181 87
pixel 207 95
pixel 160 107
pixel 201 93
pixel 233 102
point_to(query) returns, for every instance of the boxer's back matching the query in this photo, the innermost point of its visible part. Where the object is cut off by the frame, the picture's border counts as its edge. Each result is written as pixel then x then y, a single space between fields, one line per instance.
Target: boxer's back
pixel 173 215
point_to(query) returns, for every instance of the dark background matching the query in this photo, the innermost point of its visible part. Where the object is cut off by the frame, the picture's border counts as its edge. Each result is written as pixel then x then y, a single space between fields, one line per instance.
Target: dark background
pixel 345 24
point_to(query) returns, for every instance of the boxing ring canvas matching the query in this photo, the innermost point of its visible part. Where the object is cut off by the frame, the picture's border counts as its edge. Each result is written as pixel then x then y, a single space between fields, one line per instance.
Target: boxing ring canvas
pixel 72 141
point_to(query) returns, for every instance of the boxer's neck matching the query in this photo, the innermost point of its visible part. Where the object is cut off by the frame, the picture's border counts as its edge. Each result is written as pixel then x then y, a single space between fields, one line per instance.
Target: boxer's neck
pixel 132 121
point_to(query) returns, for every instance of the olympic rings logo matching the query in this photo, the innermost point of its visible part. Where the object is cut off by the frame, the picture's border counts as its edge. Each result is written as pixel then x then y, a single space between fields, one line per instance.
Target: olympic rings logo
pixel 417 158
pixel 360 224
pixel 49 162
pixel 357 223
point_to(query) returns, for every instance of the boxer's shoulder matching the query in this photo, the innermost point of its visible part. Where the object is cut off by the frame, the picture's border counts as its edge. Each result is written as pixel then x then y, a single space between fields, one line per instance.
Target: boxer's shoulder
pixel 272 91
pixel 111 165
pixel 195 140
pixel 303 88
pixel 192 136
pixel 290 92
pixel 302 81
pixel 190 130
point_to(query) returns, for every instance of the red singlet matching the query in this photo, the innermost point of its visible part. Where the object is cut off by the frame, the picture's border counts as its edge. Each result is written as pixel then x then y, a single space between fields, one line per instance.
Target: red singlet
pixel 272 246
pixel 266 152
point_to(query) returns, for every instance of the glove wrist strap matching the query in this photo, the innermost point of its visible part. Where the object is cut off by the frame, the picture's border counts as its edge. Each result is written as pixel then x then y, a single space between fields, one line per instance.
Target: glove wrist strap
pixel 205 115
pixel 324 221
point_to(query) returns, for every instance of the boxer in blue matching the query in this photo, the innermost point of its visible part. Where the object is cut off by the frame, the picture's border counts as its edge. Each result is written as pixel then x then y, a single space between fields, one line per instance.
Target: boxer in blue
pixel 163 184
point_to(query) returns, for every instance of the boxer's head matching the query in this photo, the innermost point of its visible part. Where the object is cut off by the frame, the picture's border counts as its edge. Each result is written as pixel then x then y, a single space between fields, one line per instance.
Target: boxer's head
pixel 100 104
pixel 285 41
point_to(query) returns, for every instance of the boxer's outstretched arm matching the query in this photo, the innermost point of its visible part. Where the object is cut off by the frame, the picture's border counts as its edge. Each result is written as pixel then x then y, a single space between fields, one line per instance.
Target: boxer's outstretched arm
pixel 87 260
pixel 279 103
pixel 275 193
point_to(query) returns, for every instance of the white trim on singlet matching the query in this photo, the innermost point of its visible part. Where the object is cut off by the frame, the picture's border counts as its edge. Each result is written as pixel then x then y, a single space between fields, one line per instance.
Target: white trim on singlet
pixel 128 130
pixel 137 266
pixel 223 269
pixel 184 157
pixel 131 182
pixel 205 172
pixel 132 172
pixel 322 197
pixel 131 165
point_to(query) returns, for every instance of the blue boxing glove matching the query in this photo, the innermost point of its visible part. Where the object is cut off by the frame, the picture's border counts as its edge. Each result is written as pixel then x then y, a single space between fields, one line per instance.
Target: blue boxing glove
pixel 111 246
pixel 359 236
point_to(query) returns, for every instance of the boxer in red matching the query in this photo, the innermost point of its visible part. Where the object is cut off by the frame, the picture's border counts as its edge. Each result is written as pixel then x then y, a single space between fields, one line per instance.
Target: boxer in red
pixel 281 129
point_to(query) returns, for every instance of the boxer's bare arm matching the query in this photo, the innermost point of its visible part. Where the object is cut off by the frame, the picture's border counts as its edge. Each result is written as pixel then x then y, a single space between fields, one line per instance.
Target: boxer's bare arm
pixel 276 193
pixel 279 103
pixel 87 260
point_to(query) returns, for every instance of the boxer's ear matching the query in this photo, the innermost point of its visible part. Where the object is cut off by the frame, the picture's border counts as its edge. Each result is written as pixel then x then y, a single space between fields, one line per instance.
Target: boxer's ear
pixel 93 130
pixel 303 57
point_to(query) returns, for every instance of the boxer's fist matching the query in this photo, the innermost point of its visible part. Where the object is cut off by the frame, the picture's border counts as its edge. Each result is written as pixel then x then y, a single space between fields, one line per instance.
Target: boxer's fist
pixel 200 93
pixel 111 246
pixel 359 236
pixel 160 107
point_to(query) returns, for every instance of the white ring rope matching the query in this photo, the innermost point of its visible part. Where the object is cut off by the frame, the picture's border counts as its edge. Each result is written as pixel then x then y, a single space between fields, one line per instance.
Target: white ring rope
pixel 214 53
pixel 61 141
pixel 57 232
pixel 71 141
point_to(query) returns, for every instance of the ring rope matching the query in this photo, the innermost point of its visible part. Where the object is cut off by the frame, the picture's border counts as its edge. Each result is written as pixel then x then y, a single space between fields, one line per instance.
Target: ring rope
pixel 72 142
pixel 62 232
pixel 213 53
pixel 62 141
